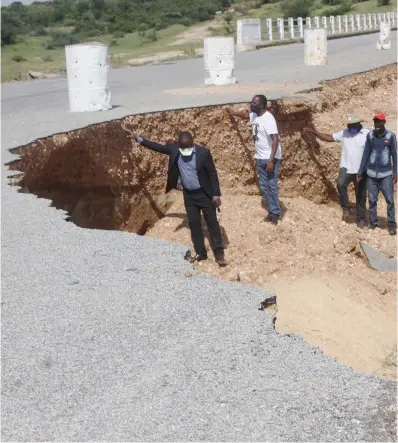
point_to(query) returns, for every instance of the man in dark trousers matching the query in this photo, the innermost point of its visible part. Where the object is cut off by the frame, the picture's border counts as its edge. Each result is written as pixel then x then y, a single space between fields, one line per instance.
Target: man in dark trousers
pixel 193 167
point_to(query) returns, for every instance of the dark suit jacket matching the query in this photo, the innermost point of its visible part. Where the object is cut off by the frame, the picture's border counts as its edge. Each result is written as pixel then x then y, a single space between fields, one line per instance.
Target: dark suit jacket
pixel 205 167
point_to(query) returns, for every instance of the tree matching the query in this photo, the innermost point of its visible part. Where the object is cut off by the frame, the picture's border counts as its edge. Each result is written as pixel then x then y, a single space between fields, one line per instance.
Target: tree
pixel 296 8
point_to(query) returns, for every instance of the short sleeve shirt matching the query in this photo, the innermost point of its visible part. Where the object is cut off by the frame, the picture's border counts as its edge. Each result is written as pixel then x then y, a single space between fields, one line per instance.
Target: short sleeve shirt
pixel 263 127
pixel 353 146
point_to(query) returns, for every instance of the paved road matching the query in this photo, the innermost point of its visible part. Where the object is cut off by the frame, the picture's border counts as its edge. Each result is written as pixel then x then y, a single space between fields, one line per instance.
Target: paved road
pixel 143 88
pixel 105 338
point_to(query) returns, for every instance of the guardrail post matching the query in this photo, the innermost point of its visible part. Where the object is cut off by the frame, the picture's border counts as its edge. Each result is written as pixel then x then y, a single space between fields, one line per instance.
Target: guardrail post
pixel 268 24
pixel 352 20
pixel 365 23
pixel 316 21
pixel 325 23
pixel 281 28
pixel 339 30
pixel 332 29
pixel 358 20
pixel 308 22
pixel 291 27
pixel 301 27
pixel 369 19
pixel 345 23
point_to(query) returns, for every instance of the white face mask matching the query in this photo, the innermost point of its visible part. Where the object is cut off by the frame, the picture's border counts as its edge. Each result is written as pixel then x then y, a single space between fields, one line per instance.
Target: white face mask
pixel 186 152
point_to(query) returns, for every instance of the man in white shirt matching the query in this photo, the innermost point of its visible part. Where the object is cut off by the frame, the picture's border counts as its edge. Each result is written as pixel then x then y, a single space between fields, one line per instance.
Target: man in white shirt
pixel 353 140
pixel 268 152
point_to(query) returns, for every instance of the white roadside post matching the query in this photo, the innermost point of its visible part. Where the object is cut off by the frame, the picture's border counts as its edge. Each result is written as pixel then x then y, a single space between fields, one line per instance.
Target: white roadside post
pixel 291 27
pixel 315 47
pixel 332 27
pixel 345 23
pixel 300 27
pixel 316 21
pixel 308 22
pixel 268 23
pixel 325 23
pixel 248 33
pixel 383 41
pixel 281 28
pixel 219 60
pixel 364 21
pixel 369 19
pixel 339 27
pixel 87 71
pixel 358 20
pixel 374 18
pixel 352 20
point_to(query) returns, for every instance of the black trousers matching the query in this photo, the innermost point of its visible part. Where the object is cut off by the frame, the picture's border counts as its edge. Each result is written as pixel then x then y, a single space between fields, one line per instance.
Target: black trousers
pixel 360 192
pixel 195 203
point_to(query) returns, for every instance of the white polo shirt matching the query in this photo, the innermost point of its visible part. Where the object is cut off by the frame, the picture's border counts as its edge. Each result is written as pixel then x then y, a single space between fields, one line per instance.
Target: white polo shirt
pixel 263 127
pixel 352 149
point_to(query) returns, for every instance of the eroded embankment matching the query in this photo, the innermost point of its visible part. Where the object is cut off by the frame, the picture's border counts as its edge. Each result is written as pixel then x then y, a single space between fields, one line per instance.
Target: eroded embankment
pixel 104 182
pixel 312 260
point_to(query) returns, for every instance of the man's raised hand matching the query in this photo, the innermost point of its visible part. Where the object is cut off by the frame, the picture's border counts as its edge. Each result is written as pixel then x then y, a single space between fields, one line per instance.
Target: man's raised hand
pixel 132 134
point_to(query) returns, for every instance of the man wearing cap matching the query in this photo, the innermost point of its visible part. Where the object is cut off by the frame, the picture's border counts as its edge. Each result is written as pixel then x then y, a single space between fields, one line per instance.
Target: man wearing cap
pixel 353 140
pixel 191 169
pixel 380 151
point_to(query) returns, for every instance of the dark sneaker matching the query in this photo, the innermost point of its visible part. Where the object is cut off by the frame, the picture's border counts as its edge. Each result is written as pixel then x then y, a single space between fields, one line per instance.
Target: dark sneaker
pixel 220 259
pixel 392 230
pixel 274 219
pixel 195 258
pixel 373 226
pixel 361 224
pixel 346 215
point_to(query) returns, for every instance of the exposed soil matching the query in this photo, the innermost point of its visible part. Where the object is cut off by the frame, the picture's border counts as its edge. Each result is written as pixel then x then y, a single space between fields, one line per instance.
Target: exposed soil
pixel 312 260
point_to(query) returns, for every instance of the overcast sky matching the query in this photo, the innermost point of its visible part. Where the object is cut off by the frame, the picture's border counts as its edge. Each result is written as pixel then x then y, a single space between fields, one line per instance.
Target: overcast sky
pixel 25 2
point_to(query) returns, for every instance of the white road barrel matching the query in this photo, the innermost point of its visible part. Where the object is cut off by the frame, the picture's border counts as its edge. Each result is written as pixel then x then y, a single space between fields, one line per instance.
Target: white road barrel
pixel 219 57
pixel 315 47
pixel 383 41
pixel 248 34
pixel 87 72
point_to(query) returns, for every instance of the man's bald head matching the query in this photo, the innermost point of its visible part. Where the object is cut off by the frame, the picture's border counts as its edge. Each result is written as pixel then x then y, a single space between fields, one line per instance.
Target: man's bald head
pixel 185 139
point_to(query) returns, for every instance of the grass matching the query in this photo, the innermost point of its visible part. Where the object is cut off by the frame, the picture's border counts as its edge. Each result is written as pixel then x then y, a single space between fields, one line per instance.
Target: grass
pixel 34 57
pixel 30 55
pixel 273 10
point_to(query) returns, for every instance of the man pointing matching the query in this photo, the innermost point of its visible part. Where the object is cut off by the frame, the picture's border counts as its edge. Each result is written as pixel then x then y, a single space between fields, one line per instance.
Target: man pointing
pixel 193 167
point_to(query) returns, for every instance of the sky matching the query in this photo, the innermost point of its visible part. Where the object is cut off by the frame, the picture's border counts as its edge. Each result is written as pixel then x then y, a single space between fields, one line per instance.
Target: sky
pixel 8 2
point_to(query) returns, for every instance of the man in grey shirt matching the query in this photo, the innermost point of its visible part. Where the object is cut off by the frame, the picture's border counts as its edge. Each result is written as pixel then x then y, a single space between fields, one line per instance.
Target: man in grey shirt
pixel 193 167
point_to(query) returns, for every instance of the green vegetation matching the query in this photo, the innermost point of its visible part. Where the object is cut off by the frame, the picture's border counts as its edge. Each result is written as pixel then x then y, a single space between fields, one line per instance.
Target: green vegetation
pixel 304 8
pixel 33 37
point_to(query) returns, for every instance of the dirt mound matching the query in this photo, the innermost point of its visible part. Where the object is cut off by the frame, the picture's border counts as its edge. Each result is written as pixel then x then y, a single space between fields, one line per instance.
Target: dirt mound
pixel 326 291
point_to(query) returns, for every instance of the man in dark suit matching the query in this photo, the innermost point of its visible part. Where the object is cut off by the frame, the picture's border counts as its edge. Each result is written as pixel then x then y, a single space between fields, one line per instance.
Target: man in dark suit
pixel 192 167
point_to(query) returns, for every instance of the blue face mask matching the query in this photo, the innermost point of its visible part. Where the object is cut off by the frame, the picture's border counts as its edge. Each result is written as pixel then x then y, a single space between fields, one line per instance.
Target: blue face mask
pixel 353 131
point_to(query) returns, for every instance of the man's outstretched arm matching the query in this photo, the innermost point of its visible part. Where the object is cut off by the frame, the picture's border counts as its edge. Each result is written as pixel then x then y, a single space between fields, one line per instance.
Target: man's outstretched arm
pixel 322 136
pixel 153 146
